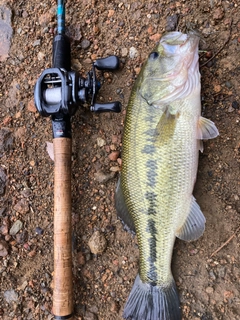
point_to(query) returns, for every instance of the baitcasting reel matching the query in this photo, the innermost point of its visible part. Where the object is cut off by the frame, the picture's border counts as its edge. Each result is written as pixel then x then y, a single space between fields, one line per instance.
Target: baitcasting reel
pixel 60 91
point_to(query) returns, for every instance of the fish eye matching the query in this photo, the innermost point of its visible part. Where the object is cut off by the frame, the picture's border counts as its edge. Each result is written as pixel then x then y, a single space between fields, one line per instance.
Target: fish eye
pixel 153 55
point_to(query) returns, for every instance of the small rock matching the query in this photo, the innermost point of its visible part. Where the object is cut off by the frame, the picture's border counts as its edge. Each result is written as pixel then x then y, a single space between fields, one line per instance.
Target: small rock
pixel 74 32
pixel 32 253
pixel 37 43
pixel 22 237
pixel 172 22
pixel 221 270
pixel 21 206
pixel 102 177
pixel 11 296
pixel 45 19
pixel 5 31
pixel 115 169
pixel 218 14
pixel 113 156
pixel 85 44
pixel 114 306
pixel 3 180
pixel 209 290
pixel 31 106
pixel 235 105
pixel 124 52
pixel 40 56
pixel 97 243
pixel 4 230
pixel 81 258
pixel 25 14
pixel 110 13
pixel 6 140
pixel 228 84
pixel 39 230
pixel 3 248
pixel 16 227
pixel 133 53
pixel 155 37
pixel 212 275
pixel 101 142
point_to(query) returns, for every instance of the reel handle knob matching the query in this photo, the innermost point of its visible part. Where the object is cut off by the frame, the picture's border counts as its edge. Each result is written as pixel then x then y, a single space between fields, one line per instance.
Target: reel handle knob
pixel 109 63
pixel 107 107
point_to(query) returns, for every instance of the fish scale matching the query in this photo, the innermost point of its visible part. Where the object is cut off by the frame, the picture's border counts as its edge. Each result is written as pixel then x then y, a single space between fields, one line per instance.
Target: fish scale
pixel 161 142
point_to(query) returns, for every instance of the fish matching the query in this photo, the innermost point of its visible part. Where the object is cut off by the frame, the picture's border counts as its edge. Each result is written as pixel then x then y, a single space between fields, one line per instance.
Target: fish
pixel 163 133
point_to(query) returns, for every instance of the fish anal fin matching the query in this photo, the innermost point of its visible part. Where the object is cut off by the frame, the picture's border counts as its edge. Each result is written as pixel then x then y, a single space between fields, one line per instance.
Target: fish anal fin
pixel 206 129
pixel 122 210
pixel 194 225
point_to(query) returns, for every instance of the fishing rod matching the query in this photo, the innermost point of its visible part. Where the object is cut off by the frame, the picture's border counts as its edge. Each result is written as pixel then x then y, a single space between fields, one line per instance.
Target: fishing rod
pixel 59 92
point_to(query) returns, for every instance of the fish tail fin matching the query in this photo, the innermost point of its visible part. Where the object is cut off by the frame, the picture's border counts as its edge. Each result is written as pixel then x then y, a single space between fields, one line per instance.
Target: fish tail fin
pixel 148 302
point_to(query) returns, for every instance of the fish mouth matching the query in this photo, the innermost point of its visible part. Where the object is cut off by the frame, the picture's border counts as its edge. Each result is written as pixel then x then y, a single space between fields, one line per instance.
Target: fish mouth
pixel 174 38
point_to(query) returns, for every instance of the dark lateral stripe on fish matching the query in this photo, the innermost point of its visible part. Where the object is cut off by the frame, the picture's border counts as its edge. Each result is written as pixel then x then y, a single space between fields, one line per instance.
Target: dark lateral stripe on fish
pixel 151 173
pixel 152 270
pixel 149 149
pixel 151 197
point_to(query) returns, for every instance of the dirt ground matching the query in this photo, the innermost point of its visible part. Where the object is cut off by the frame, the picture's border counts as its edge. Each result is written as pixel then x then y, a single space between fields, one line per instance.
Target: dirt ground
pixel 208 282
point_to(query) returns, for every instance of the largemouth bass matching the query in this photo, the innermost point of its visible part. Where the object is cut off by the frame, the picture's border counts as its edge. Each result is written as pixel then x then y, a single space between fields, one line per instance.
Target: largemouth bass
pixel 163 134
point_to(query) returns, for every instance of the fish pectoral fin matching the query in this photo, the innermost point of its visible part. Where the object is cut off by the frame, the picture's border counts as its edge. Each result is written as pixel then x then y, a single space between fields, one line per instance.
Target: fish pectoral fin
pixel 206 129
pixel 122 210
pixel 194 225
pixel 166 127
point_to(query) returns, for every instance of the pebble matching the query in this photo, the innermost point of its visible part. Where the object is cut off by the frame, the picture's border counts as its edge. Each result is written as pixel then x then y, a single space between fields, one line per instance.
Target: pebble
pixel 228 84
pixel 212 275
pixel 6 140
pixel 3 179
pixel 37 43
pixel 114 306
pixel 133 53
pixel 235 104
pixel 22 237
pixel 21 206
pixel 3 248
pixel 113 156
pixel 155 37
pixel 85 44
pixel 102 177
pixel 81 258
pixel 74 32
pixel 31 106
pixel 11 296
pixel 101 142
pixel 209 290
pixel 97 243
pixel 40 56
pixel 218 14
pixel 16 227
pixel 5 31
pixel 172 23
pixel 124 52
pixel 39 230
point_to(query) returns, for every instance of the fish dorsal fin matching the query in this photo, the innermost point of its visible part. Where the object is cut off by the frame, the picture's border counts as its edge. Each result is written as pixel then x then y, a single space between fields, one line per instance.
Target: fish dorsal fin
pixel 194 225
pixel 122 210
pixel 206 129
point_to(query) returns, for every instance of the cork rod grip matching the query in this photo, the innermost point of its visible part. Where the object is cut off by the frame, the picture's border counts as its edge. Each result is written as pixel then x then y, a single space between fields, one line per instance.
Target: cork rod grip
pixel 62 287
